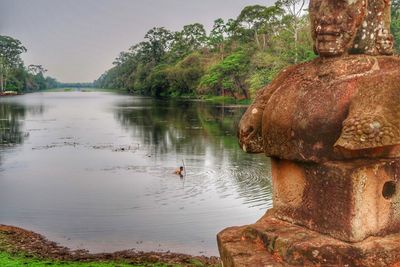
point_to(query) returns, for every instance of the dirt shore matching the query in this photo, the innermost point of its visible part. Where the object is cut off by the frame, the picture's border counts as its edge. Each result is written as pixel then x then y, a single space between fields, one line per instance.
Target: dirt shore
pixel 15 240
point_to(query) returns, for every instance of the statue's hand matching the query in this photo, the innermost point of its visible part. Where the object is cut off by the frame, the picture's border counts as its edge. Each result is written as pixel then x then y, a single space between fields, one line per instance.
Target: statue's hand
pixel 249 132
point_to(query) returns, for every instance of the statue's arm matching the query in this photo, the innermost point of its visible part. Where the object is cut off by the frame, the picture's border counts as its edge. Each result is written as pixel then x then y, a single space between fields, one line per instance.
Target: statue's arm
pixel 250 126
pixel 249 132
pixel 372 126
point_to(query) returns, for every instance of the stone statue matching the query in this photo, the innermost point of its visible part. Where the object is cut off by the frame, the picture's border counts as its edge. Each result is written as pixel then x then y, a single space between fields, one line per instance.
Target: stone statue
pixel 351 27
pixel 314 98
pixel 332 129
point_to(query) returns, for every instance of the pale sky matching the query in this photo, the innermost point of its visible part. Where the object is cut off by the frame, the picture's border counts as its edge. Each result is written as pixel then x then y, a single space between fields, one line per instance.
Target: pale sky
pixel 77 40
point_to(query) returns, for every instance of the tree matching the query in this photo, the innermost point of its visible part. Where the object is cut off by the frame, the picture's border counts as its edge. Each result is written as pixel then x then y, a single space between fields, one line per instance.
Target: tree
pixel 217 36
pixel 230 75
pixel 37 72
pixel 395 26
pixel 36 69
pixel 122 58
pixel 159 40
pixel 184 76
pixel 260 22
pixel 253 18
pixel 51 82
pixel 295 13
pixel 231 28
pixel 191 38
pixel 10 57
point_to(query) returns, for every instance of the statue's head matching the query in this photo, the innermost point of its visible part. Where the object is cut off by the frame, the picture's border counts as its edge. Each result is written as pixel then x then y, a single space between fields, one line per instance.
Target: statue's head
pixel 342 27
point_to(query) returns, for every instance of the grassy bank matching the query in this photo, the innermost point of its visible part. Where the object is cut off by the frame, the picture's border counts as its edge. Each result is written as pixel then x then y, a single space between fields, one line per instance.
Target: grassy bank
pixel 8 260
pixel 226 100
pixel 19 247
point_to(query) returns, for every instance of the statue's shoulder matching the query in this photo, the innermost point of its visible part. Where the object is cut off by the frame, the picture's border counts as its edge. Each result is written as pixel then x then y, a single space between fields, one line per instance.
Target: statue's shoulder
pixel 300 68
pixel 373 124
pixel 294 73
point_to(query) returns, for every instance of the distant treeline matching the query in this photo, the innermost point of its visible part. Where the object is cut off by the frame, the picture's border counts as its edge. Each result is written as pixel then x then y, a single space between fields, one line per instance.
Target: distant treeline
pixel 14 75
pixel 236 58
pixel 74 85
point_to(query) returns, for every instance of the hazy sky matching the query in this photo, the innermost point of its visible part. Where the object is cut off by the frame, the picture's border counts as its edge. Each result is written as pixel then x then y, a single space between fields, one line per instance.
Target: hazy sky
pixel 77 40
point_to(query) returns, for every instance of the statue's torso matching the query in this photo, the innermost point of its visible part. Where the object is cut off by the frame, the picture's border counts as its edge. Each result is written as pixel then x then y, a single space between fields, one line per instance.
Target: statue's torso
pixel 308 104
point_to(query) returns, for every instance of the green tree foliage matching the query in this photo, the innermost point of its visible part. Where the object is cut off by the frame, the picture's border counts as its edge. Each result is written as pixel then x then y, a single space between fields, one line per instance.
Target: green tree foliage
pixel 237 57
pixel 158 43
pixel 216 40
pixel 294 22
pixel 228 76
pixel 396 23
pixel 184 77
pixel 192 37
pixel 10 58
pixel 260 20
pixel 14 76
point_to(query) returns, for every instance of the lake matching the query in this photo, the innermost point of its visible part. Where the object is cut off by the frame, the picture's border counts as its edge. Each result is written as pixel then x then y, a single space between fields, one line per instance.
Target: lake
pixel 94 170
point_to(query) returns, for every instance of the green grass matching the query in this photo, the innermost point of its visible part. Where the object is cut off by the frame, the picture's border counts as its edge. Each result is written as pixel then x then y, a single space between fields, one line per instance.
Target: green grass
pixel 7 260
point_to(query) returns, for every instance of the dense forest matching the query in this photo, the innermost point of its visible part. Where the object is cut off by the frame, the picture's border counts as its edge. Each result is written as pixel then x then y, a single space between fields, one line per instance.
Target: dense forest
pixel 235 59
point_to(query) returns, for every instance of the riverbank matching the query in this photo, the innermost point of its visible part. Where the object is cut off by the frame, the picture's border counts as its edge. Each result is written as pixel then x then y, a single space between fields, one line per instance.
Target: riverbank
pixel 226 100
pixel 8 93
pixel 19 247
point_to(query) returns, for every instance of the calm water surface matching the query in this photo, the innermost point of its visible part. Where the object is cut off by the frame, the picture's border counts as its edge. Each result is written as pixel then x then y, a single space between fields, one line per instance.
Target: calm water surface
pixel 94 170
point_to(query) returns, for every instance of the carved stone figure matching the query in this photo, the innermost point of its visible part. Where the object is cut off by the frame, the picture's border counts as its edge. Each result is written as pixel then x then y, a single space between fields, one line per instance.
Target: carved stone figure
pixel 328 109
pixel 351 26
pixel 338 28
pixel 332 129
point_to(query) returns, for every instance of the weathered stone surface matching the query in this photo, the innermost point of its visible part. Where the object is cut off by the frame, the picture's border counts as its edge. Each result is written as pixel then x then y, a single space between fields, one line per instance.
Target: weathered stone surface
pixel 332 128
pixel 351 27
pixel 346 200
pixel 300 115
pixel 272 242
pixel 334 25
pixel 374 116
pixel 238 251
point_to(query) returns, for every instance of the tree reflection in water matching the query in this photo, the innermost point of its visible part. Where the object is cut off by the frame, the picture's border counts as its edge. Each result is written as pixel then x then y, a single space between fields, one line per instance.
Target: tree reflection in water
pixel 201 131
pixel 12 116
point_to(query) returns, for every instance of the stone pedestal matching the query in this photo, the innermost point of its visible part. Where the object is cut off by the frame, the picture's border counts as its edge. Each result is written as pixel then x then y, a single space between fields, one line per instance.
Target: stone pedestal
pixel 349 200
pixel 273 242
pixel 342 213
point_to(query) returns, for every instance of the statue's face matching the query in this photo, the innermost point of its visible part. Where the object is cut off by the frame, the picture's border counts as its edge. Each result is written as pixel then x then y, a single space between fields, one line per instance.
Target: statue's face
pixel 334 24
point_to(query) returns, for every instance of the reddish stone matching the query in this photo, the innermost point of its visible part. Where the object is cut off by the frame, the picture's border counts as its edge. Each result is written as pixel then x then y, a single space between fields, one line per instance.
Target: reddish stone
pixel 332 127
pixel 347 200
pixel 285 244
pixel 324 110
pixel 351 27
